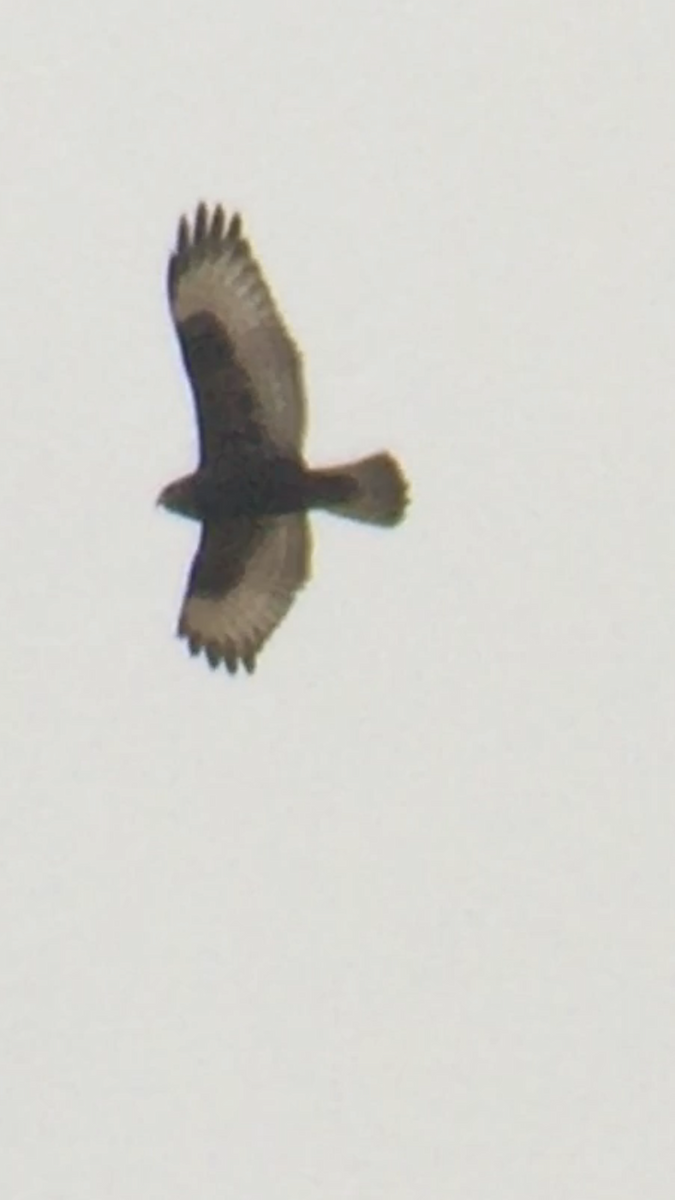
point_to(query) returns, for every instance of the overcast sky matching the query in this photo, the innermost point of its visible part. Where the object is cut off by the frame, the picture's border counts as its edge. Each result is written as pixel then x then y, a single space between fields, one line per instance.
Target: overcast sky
pixel 393 919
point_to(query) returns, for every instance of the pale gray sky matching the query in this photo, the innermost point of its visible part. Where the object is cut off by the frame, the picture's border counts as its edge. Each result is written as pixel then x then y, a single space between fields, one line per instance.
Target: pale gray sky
pixel 394 919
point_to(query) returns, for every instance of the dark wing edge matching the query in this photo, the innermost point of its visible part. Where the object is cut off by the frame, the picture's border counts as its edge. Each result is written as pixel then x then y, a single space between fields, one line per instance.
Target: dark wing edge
pixel 243 581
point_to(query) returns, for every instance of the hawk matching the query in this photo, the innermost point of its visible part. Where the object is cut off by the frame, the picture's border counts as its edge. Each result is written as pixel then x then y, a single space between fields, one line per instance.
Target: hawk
pixel 252 489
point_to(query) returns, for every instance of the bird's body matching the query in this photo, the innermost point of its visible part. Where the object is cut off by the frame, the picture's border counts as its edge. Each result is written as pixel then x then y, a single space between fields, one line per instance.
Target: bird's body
pixel 268 487
pixel 252 488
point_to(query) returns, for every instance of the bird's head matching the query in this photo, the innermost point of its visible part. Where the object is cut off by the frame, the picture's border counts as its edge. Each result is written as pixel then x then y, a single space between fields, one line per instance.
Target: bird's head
pixel 179 497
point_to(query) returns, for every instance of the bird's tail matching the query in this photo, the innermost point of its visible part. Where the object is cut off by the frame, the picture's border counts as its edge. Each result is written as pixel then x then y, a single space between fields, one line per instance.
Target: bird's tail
pixel 374 490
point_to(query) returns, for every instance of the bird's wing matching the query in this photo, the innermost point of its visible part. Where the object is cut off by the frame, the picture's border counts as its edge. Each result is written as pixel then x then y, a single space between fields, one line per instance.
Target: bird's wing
pixel 245 370
pixel 242 583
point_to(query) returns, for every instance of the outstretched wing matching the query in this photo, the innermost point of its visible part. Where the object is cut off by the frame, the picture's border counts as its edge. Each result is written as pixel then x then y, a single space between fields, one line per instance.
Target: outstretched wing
pixel 245 370
pixel 243 581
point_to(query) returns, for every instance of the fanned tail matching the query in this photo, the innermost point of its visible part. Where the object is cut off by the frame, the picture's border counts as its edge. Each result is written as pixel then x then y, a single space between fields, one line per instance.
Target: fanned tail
pixel 376 490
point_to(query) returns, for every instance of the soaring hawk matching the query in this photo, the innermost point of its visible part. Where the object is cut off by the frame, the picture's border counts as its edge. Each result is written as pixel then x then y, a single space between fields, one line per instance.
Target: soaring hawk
pixel 252 489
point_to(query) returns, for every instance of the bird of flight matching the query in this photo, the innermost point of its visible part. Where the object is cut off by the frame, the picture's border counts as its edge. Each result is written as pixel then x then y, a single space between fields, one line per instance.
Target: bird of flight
pixel 252 489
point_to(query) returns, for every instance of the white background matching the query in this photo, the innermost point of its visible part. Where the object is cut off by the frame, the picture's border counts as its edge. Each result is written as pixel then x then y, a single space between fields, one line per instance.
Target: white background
pixel 392 920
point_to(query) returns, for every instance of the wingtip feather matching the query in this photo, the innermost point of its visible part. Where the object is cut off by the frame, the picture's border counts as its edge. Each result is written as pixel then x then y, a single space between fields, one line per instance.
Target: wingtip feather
pixel 217 223
pixel 183 237
pixel 200 228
